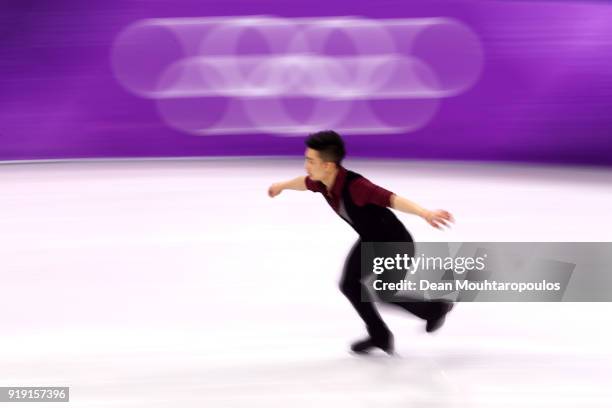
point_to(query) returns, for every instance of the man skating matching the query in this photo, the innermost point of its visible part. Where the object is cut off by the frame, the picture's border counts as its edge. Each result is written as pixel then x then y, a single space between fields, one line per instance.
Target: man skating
pixel 364 206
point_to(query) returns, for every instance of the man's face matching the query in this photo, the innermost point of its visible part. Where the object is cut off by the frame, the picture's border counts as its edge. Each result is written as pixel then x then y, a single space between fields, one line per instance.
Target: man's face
pixel 315 166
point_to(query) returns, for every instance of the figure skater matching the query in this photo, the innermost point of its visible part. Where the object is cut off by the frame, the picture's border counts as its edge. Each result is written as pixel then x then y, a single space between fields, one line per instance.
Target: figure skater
pixel 364 206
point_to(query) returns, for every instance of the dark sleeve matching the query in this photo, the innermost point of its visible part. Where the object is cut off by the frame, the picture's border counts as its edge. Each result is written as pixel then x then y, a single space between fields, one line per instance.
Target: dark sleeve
pixel 312 185
pixel 363 192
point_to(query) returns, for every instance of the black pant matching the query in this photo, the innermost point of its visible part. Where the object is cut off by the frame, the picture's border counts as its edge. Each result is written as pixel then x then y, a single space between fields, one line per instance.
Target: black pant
pixel 352 287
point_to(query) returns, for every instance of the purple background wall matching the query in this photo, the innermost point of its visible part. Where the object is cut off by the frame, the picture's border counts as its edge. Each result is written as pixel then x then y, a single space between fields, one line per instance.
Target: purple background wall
pixel 545 92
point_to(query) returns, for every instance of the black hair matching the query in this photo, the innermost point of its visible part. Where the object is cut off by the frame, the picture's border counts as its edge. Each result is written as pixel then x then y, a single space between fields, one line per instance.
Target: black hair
pixel 329 144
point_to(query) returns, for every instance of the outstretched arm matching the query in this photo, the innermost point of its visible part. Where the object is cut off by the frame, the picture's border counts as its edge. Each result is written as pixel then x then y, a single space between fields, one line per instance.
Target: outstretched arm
pixel 298 183
pixel 435 218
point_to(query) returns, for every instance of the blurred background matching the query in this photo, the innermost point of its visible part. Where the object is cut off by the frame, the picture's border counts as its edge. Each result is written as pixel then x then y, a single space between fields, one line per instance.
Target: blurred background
pixel 526 81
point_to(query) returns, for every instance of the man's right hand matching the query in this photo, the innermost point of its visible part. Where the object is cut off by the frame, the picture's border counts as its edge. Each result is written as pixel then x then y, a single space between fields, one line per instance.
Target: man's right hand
pixel 275 189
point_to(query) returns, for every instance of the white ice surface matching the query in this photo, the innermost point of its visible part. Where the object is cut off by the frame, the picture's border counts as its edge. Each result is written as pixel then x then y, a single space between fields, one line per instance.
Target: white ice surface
pixel 181 284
